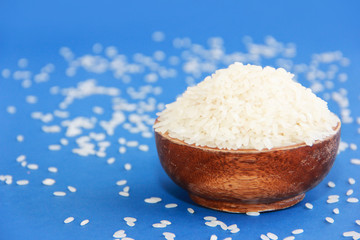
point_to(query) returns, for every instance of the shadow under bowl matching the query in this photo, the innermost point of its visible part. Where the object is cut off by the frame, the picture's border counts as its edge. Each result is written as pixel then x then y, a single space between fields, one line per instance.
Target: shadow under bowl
pixel 247 180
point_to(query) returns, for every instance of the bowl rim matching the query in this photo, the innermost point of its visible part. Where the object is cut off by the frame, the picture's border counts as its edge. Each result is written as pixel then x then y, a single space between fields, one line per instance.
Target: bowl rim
pixel 205 148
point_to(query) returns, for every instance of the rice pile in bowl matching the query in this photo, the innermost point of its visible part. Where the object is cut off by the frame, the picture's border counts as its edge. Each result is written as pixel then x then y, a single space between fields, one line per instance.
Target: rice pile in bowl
pixel 247 107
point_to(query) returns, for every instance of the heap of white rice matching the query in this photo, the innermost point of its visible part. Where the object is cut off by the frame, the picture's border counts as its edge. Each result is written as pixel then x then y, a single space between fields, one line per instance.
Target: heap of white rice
pixel 247 107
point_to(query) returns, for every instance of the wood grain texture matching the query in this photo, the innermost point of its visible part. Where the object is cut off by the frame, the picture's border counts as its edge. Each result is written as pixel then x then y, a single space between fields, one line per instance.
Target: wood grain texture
pixel 247 180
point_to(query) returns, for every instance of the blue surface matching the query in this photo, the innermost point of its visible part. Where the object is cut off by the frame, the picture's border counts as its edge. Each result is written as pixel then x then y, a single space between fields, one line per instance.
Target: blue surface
pixel 36 30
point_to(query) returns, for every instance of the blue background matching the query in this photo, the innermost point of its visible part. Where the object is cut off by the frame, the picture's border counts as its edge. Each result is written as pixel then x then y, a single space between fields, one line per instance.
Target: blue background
pixel 37 29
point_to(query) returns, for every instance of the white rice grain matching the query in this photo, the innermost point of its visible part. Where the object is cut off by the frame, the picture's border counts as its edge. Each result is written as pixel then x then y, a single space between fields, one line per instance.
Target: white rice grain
pixel 332 200
pixel 122 141
pixel 124 194
pixel 349 192
pixel 329 220
pixel 119 234
pixel 213 237
pixel 130 224
pixel 297 231
pixel 352 200
pixel 54 147
pixel 331 184
pixel 353 146
pixel 21 158
pixel 355 161
pixel 159 225
pixel 64 141
pixel 289 238
pixel 336 211
pixel 48 181
pixel 211 224
pixel 169 235
pixel 11 109
pixel 127 166
pixel 22 182
pixel 272 236
pixel 152 200
pixel 171 205
pixel 122 150
pixel 232 227
pixel 130 219
pixel 132 143
pixel 253 214
pixel 71 189
pixel 84 222
pixel 144 148
pixel 20 138
pixel 59 194
pixel 121 182
pixel 33 166
pixel 166 222
pixel 309 206
pixel 190 210
pixel 353 234
pixel 351 181
pixel 264 237
pixel 110 160
pixel 69 220
pixel 52 169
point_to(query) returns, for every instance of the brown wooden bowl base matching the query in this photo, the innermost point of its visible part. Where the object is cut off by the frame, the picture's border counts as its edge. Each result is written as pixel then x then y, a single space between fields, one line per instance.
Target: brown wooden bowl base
pixel 235 207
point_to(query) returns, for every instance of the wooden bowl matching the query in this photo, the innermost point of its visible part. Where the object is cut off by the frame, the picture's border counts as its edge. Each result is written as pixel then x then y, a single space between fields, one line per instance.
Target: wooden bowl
pixel 247 180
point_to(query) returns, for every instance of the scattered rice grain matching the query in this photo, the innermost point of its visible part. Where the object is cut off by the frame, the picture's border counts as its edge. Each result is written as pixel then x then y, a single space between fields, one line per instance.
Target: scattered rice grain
pixel 159 225
pixel 289 238
pixel 53 169
pixel 297 231
pixel 22 182
pixel 127 166
pixel 121 182
pixel 171 205
pixel 20 138
pixel 253 214
pixel 84 222
pixel 213 237
pixel 152 200
pixel 190 210
pixel 264 237
pixel 48 181
pixel 352 200
pixel 119 234
pixel 72 189
pixel 110 160
pixel 272 236
pixel 33 166
pixel 124 194
pixel 309 206
pixel 351 181
pixel 21 158
pixel 355 161
pixel 69 220
pixel 54 147
pixel 331 184
pixel 349 192
pixel 59 194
